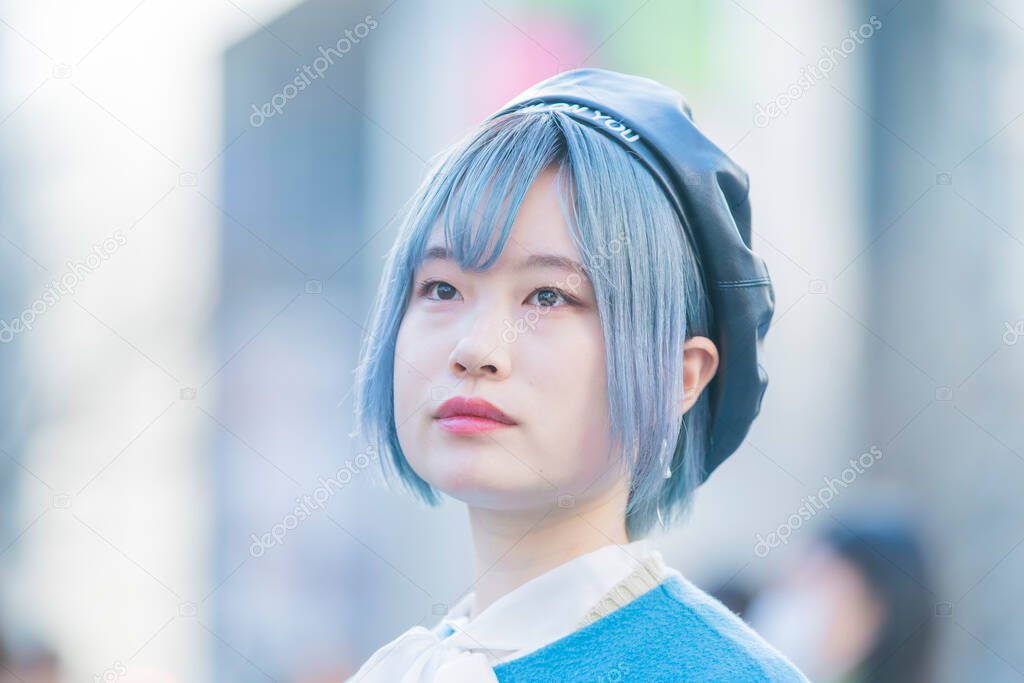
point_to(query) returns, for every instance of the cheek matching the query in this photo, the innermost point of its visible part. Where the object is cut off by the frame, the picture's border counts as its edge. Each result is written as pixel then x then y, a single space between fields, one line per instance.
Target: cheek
pixel 411 382
pixel 416 356
pixel 567 373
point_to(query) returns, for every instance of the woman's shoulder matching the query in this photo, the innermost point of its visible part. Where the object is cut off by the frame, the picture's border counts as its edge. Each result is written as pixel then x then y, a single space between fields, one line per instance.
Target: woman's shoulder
pixel 724 633
pixel 673 631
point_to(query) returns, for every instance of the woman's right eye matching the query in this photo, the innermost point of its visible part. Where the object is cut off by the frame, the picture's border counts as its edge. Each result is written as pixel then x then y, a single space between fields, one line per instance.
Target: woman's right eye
pixel 438 290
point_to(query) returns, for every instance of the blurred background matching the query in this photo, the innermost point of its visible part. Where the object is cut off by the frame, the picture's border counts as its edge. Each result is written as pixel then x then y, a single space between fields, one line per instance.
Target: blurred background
pixel 195 202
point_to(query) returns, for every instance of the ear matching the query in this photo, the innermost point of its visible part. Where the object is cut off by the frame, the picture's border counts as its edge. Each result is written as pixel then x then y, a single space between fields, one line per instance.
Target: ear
pixel 700 362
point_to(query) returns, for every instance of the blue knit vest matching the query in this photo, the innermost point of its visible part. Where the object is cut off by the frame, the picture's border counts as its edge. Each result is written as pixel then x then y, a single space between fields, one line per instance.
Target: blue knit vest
pixel 673 632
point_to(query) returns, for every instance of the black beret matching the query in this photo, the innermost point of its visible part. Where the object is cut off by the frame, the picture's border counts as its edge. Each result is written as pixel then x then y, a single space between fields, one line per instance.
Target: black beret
pixel 709 191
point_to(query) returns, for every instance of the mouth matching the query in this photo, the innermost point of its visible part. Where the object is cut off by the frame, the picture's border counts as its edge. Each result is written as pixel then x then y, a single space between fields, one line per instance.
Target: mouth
pixel 465 415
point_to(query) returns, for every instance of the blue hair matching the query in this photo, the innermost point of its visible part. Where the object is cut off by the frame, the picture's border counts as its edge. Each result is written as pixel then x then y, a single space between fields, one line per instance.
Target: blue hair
pixel 646 279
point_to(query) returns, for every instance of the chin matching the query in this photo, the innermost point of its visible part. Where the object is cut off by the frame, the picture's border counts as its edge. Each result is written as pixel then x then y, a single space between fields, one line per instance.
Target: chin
pixel 499 500
pixel 466 481
pixel 479 485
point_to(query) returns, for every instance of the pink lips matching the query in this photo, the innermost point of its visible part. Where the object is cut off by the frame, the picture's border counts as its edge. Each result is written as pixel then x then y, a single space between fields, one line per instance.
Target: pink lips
pixel 464 415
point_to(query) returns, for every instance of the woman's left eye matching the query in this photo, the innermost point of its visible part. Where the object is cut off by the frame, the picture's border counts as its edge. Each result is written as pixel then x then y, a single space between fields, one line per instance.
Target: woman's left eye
pixel 549 296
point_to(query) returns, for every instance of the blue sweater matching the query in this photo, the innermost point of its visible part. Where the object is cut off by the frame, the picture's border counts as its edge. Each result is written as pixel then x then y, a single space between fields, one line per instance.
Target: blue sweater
pixel 673 632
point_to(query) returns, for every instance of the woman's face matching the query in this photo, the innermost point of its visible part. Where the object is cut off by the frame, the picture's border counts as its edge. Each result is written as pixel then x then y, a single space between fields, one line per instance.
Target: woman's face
pixel 525 336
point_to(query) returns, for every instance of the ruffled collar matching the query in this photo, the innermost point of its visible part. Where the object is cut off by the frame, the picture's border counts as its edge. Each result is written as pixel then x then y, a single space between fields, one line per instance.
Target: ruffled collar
pixel 548 607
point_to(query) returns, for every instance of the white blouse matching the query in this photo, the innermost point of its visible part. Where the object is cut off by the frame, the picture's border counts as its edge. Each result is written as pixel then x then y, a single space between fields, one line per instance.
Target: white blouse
pixel 540 611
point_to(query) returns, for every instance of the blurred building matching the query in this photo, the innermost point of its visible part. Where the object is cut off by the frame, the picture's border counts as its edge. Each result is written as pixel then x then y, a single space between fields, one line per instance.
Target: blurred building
pixel 178 489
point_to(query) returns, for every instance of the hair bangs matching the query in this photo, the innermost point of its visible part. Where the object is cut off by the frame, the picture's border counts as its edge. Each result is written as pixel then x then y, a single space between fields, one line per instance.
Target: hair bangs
pixel 478 190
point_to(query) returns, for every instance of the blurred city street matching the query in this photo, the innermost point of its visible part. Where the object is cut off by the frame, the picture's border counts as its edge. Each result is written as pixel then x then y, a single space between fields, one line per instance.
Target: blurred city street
pixel 196 199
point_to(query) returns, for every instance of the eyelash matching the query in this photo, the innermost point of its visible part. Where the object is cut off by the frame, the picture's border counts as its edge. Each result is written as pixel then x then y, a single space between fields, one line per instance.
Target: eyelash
pixel 424 287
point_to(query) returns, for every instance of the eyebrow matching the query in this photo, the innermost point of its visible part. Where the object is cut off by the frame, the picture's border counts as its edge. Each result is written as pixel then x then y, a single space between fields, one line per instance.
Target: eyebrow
pixel 531 261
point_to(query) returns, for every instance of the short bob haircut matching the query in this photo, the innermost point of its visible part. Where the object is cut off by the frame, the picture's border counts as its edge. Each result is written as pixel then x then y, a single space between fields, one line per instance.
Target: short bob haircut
pixel 646 278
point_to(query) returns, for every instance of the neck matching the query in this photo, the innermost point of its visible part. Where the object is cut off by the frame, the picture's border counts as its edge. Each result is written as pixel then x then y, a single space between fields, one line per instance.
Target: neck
pixel 512 547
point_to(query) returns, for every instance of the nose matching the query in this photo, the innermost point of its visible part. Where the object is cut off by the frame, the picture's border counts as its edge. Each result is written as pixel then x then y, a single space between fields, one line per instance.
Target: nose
pixel 474 356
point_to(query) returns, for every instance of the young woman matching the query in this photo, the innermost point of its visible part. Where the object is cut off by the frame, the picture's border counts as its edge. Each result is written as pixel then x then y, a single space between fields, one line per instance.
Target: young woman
pixel 566 339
